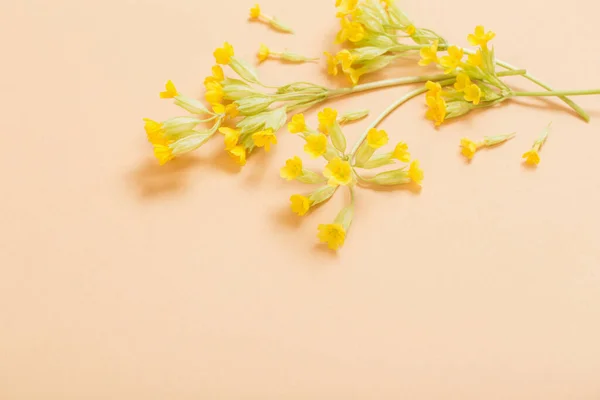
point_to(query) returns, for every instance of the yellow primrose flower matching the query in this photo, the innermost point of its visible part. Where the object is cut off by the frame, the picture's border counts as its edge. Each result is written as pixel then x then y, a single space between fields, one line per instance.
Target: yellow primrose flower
pixel 532 157
pixel 401 152
pixel 429 54
pixel 473 94
pixel 355 74
pixel 338 171
pixel 255 12
pixel 332 234
pixel 415 173
pixel 263 53
pixel 332 64
pixel 453 59
pixel 377 139
pixel 229 110
pixel 345 6
pixel 238 154
pixel 297 124
pixel 214 92
pixel 231 137
pixel 469 148
pixel 435 89
pixel 265 139
pixel 462 82
pixel 300 204
pixel 170 91
pixel 410 30
pixel 346 59
pixel 327 118
pixel 480 37
pixel 154 131
pixel 351 30
pixel 292 169
pixel 316 145
pixel 437 109
pixel 163 153
pixel 476 60
pixel 223 55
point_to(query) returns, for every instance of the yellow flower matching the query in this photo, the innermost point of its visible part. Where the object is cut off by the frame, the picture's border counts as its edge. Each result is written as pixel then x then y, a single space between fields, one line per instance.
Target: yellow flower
pixel 462 82
pixel 231 137
pixel 532 157
pixel 469 147
pixel 327 118
pixel 332 64
pixel 263 53
pixel 316 145
pixel 410 30
pixel 300 204
pixel 214 92
pixel 232 110
pixel 437 109
pixel 429 54
pixel 255 12
pixel 297 124
pixel 217 74
pixel 351 30
pixel 292 169
pixel 355 74
pixel 480 37
pixel 453 59
pixel 377 139
pixel 476 60
pixel 154 131
pixel 332 234
pixel 346 59
pixel 238 154
pixel 338 171
pixel 345 6
pixel 223 55
pixel 434 89
pixel 415 173
pixel 170 91
pixel 401 152
pixel 163 153
pixel 265 139
pixel 473 94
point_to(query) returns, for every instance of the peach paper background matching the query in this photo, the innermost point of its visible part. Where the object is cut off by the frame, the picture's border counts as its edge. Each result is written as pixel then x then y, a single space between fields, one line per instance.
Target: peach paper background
pixel 123 280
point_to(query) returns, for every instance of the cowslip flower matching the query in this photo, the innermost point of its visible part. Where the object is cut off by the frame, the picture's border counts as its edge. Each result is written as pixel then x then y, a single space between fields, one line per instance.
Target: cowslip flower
pixel 462 82
pixel 473 94
pixel 351 30
pixel 316 145
pixel 217 75
pixel 263 53
pixel 154 131
pixel 475 60
pixel 532 157
pixel 297 124
pixel 401 153
pixel 469 147
pixel 437 109
pixel 238 154
pixel 480 37
pixel 327 118
pixel 410 30
pixel 300 204
pixel 452 60
pixel 223 54
pixel 231 137
pixel 292 169
pixel 265 139
pixel 377 138
pixel 338 171
pixel 345 7
pixel 170 91
pixel 415 173
pixel 163 153
pixel 346 59
pixel 214 92
pixel 429 54
pixel 332 64
pixel 255 12
pixel 434 89
pixel 332 234
pixel 229 110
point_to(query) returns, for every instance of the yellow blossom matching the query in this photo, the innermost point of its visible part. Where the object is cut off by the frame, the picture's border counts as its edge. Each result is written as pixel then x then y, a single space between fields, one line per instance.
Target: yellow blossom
pixel 316 145
pixel 265 139
pixel 469 147
pixel 476 60
pixel 532 157
pixel 231 110
pixel 231 137
pixel 170 91
pixel 434 89
pixel 332 234
pixel 429 54
pixel 297 124
pixel 163 153
pixel 437 110
pixel 263 53
pixel 292 169
pixel 217 73
pixel 462 82
pixel 338 171
pixel 473 94
pixel 327 118
pixel 238 154
pixel 332 64
pixel 453 59
pixel 410 30
pixel 351 30
pixel 377 138
pixel 300 204
pixel 480 37
pixel 355 74
pixel 154 131
pixel 401 152
pixel 214 92
pixel 255 12
pixel 345 6
pixel 415 173
pixel 223 55
pixel 346 59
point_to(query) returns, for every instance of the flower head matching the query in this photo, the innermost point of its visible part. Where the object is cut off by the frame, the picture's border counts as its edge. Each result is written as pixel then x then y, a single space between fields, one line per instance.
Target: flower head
pixel 346 59
pixel 332 234
pixel 480 37
pixel 345 6
pixel 469 148
pixel 238 154
pixel 327 118
pixel 351 30
pixel 476 60
pixel 377 138
pixel 462 82
pixel 316 145
pixel 292 169
pixel 415 173
pixel 231 137
pixel 170 91
pixel 434 89
pixel 154 131
pixel 338 171
pixel 163 153
pixel 214 92
pixel 401 152
pixel 532 157
pixel 265 139
pixel 255 12
pixel 429 54
pixel 453 59
pixel 297 124
pixel 300 204
pixel 223 54
pixel 263 53
pixel 332 64
pixel 437 109
pixel 473 94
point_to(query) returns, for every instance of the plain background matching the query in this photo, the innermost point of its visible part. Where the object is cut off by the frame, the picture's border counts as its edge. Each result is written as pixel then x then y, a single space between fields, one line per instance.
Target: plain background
pixel 123 280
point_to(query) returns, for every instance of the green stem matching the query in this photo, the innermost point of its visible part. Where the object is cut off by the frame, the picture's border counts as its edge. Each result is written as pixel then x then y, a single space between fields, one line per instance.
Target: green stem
pixel 558 93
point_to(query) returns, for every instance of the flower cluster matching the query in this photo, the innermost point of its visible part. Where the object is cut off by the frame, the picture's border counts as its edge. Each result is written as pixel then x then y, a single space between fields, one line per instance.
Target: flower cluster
pixel 342 169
